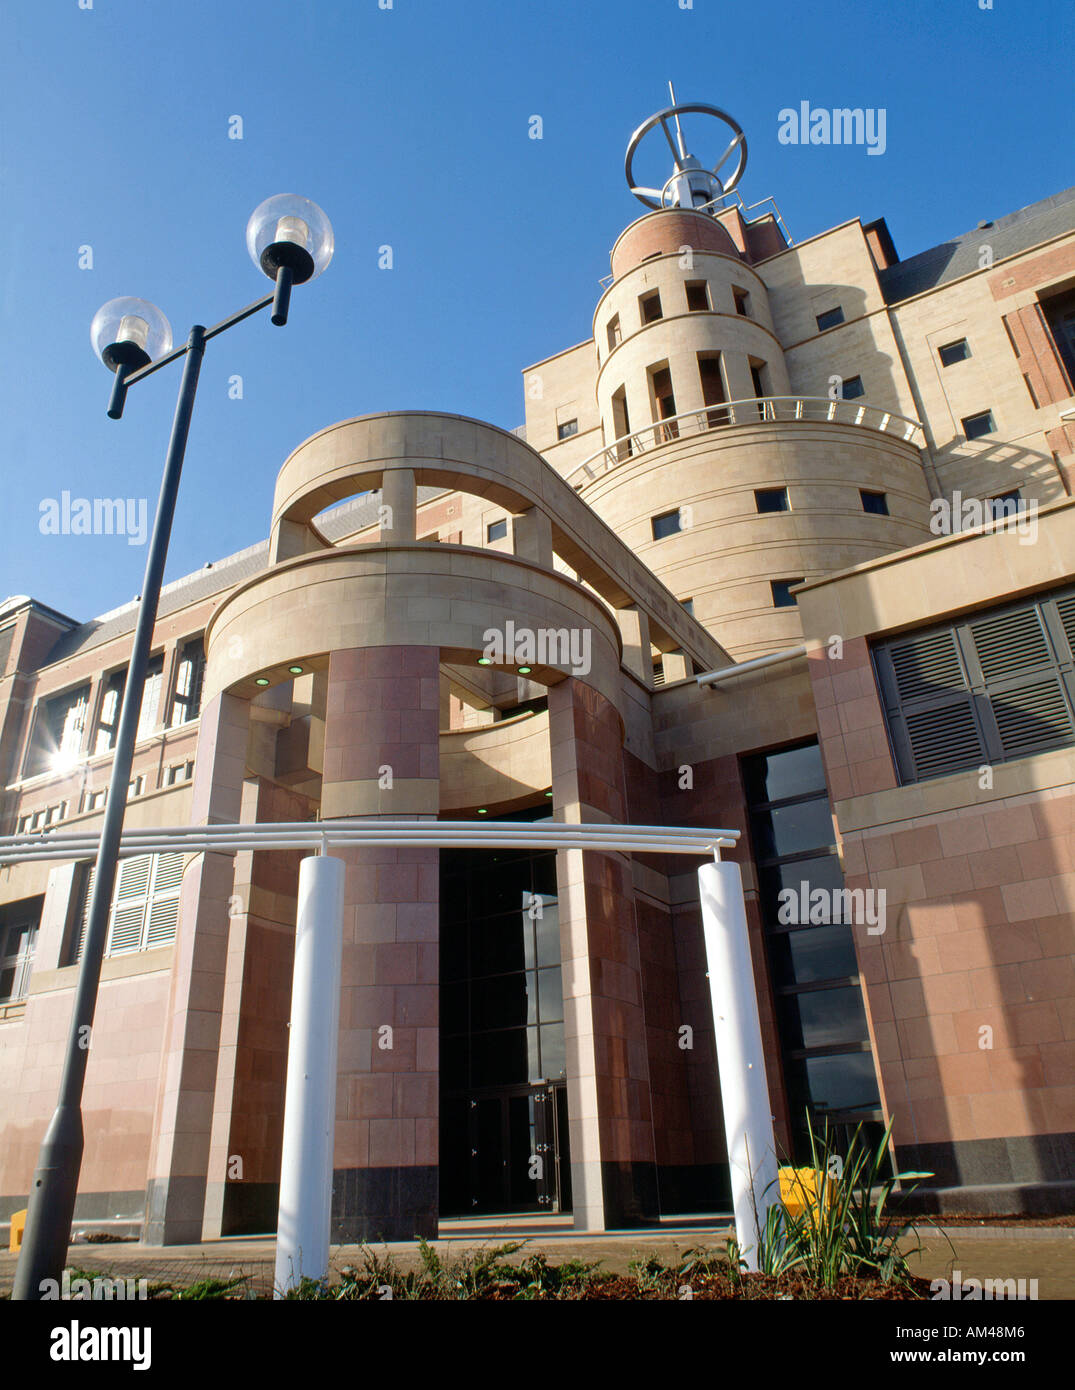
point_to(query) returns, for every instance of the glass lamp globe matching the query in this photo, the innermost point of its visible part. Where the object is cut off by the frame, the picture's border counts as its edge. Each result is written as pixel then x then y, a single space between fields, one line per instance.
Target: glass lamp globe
pixel 287 230
pixel 130 332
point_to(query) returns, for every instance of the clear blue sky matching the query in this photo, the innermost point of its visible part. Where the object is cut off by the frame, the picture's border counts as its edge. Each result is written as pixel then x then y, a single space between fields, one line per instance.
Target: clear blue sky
pixel 409 126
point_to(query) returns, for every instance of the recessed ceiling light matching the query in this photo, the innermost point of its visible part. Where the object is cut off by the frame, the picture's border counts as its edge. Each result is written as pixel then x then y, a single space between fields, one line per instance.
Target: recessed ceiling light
pixel 482 811
pixel 525 670
pixel 295 670
pixel 548 793
pixel 262 680
pixel 485 661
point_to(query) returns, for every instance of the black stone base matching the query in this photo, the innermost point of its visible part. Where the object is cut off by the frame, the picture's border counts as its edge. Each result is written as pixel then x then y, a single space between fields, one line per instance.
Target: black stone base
pixel 250 1209
pixel 175 1210
pixel 630 1193
pixel 695 1189
pixel 381 1204
pixel 1021 1162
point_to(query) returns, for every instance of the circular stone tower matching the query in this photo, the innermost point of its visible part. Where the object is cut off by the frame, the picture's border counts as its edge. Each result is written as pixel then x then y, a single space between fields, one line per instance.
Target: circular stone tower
pixel 729 486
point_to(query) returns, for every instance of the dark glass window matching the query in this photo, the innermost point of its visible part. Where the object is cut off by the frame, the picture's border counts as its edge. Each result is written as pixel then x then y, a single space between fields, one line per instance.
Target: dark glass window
pixel 876 503
pixel 830 318
pixel 497 530
pixel 782 595
pixel 771 499
pixel 567 429
pixel 697 295
pixel 974 426
pixel 954 352
pixel 650 307
pixel 667 524
pixel 852 388
pixel 820 1014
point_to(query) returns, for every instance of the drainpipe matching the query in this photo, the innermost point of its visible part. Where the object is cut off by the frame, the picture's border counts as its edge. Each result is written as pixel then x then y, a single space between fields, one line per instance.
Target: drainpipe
pixel 741 667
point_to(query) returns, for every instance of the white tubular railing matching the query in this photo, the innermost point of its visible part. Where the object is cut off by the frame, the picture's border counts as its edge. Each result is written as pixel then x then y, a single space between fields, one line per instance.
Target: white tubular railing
pixel 756 410
pixel 317 836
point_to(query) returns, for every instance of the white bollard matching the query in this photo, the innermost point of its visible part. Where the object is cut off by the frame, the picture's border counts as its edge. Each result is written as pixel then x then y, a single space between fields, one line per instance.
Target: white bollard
pixel 302 1233
pixel 748 1119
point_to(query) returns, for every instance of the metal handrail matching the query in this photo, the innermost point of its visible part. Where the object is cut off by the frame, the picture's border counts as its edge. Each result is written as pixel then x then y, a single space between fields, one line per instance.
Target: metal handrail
pixel 753 411
pixel 316 835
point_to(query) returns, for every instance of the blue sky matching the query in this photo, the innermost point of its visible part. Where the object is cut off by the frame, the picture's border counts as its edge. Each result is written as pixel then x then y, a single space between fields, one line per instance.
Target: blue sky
pixel 409 126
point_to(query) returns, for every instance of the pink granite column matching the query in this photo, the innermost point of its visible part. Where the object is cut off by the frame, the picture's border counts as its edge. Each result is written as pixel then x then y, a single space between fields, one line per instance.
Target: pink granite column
pixel 179 1161
pixel 613 1165
pixel 382 759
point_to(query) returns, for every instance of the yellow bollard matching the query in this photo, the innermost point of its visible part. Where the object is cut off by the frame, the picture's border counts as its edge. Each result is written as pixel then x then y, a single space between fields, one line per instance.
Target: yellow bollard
pixel 798 1190
pixel 18 1225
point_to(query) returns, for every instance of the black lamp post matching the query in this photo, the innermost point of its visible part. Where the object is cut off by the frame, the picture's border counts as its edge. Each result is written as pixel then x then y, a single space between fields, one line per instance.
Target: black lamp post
pixel 290 239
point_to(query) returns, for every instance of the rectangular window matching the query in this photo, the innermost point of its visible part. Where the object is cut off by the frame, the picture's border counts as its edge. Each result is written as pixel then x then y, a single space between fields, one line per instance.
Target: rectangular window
pixel 187 698
pixel 712 380
pixel 567 429
pixel 742 302
pixel 830 318
pixel 658 672
pixel 954 352
pixel 58 730
pixel 1059 312
pixel 151 698
pixel 771 499
pixel 179 772
pixel 667 524
pixel 974 426
pixel 664 404
pixel 809 943
pixel 614 333
pixel 697 296
pixel 687 605
pixel 649 307
pixel 497 530
pixel 782 595
pixel 145 904
pixel 993 687
pixel 757 377
pixel 852 388
pixel 108 719
pixel 18 939
pixel 876 503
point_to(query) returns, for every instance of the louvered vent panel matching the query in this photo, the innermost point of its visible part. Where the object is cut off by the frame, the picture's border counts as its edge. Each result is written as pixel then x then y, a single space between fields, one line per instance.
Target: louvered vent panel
pixel 134 877
pixel 1010 644
pixel 927 666
pixel 1066 608
pixel 127 928
pixel 87 894
pixel 1034 716
pixel 169 875
pixel 943 740
pixel 163 917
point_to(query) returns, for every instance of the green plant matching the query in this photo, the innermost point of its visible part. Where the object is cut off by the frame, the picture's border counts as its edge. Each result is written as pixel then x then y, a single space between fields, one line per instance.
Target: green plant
pixel 848 1229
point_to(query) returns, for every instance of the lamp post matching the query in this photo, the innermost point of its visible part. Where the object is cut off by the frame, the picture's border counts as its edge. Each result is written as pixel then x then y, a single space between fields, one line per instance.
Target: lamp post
pixel 290 239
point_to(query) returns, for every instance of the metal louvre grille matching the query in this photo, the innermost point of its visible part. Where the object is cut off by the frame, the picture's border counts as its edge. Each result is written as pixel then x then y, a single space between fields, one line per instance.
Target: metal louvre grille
pixel 1016 668
pixel 1033 717
pixel 145 905
pixel 1010 644
pixel 944 740
pixel 927 666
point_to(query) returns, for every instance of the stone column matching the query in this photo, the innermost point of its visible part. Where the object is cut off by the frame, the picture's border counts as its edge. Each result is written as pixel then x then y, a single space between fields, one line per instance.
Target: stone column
pixel 179 1159
pixel 533 537
pixel 382 758
pixel 634 632
pixel 613 1167
pixel 400 493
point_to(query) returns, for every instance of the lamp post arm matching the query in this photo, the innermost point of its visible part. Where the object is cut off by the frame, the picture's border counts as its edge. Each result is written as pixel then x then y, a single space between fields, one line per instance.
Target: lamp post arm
pixel 55 1182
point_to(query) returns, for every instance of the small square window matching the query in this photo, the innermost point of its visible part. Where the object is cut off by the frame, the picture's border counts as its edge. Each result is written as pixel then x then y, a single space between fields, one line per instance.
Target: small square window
pixel 830 318
pixel 852 388
pixel 782 595
pixel 667 524
pixel 771 499
pixel 974 426
pixel 497 530
pixel 876 503
pixel 567 429
pixel 697 296
pixel 649 306
pixel 954 352
pixel 1005 504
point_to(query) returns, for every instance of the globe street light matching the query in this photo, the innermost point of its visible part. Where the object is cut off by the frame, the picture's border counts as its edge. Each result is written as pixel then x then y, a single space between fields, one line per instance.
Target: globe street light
pixel 290 239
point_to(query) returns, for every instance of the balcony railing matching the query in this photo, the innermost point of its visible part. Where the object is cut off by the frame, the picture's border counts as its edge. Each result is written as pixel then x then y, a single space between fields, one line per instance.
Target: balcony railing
pixel 756 410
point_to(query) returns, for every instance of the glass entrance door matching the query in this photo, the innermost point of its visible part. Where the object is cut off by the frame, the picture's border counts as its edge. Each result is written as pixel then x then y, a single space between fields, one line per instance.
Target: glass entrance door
pixel 506 1151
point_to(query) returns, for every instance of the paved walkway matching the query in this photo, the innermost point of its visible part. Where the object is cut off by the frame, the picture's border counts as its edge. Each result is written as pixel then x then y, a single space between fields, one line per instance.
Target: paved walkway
pixel 1045 1254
